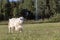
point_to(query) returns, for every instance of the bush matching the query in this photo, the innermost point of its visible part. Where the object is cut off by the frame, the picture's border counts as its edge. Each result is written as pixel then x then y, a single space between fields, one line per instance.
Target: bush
pixel 55 18
pixel 1 17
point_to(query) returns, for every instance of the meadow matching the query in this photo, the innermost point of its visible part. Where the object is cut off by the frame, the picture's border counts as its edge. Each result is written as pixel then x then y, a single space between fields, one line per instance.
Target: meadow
pixel 42 31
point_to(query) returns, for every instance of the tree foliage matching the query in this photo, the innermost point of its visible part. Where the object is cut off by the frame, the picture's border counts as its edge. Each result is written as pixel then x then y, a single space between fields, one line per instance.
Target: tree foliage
pixel 46 8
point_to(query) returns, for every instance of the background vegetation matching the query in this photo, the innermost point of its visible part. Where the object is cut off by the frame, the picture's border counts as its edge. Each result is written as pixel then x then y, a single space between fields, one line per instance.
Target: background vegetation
pixel 47 9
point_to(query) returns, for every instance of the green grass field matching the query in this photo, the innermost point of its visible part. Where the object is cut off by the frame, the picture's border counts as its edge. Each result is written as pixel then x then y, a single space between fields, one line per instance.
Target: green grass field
pixel 42 31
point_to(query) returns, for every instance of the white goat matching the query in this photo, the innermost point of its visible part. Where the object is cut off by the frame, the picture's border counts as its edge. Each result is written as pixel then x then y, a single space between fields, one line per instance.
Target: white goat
pixel 15 24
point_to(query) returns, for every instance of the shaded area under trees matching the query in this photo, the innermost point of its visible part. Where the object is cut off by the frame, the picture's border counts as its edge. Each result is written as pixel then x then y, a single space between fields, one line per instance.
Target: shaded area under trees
pixel 46 9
